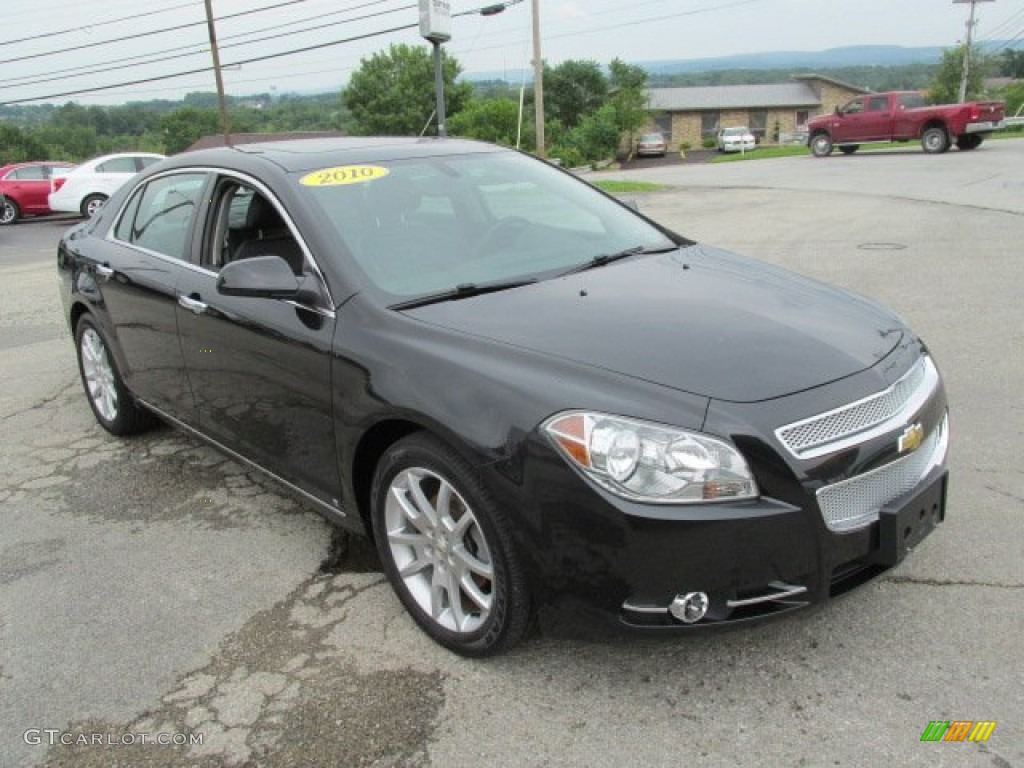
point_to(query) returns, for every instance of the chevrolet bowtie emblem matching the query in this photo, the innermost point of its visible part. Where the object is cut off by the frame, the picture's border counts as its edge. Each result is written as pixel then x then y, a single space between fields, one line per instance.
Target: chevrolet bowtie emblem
pixel 911 438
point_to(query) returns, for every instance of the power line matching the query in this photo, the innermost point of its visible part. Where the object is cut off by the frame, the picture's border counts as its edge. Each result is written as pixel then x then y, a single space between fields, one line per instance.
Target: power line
pixel 81 72
pixel 69 30
pixel 241 62
pixel 150 33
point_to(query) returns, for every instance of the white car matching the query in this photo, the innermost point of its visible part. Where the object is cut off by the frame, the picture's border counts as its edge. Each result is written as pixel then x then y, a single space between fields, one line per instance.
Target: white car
pixel 88 186
pixel 736 139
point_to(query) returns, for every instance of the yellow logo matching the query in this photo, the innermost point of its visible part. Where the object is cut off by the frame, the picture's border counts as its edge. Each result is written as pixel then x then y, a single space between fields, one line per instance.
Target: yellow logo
pixel 343 174
pixel 911 438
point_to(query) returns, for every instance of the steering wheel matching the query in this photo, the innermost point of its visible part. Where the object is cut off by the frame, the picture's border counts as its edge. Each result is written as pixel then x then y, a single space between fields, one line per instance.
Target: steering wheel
pixel 502 233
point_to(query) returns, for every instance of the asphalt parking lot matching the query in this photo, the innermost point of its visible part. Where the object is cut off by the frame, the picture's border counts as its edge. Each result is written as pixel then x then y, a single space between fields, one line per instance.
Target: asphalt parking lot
pixel 150 586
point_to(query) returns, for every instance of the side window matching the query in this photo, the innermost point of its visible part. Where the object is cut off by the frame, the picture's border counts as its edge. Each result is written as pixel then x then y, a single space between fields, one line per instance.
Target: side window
pixel 855 107
pixel 117 165
pixel 246 225
pixel 145 162
pixel 28 173
pixel 911 100
pixel 158 218
pixel 878 104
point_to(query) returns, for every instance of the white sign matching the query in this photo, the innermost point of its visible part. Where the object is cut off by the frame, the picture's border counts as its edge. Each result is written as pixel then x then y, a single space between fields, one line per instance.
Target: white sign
pixel 436 20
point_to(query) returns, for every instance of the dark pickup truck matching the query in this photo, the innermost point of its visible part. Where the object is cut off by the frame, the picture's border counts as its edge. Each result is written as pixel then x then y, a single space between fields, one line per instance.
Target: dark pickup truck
pixel 902 116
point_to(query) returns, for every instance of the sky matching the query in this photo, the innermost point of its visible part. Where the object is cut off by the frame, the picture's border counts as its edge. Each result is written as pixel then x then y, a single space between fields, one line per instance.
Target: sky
pixel 72 40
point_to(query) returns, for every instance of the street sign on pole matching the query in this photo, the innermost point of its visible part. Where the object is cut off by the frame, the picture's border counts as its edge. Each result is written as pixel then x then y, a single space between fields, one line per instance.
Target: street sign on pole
pixel 436 20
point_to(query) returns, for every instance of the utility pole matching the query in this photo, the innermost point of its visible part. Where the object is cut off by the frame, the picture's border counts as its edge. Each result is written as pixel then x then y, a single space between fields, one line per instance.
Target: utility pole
pixel 967 47
pixel 538 82
pixel 224 124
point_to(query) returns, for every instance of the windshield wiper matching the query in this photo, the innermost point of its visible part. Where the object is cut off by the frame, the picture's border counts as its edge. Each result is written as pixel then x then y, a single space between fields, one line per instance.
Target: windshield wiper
pixel 607 258
pixel 463 291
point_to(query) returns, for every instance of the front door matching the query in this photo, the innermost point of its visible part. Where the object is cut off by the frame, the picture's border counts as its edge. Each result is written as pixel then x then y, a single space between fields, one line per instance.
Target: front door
pixel 260 369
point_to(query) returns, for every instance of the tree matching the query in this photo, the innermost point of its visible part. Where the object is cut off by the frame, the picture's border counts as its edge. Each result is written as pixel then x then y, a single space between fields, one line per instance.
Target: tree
pixel 184 126
pixel 573 90
pixel 945 86
pixel 392 92
pixel 1012 63
pixel 492 120
pixel 1014 96
pixel 18 146
pixel 629 97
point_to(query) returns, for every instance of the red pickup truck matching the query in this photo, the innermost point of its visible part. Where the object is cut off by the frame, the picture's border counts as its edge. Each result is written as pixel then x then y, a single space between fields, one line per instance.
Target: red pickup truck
pixel 902 116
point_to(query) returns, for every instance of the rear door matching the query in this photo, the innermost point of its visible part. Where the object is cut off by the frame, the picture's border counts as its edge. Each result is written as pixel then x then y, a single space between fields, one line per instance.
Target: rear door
pixel 136 272
pixel 260 369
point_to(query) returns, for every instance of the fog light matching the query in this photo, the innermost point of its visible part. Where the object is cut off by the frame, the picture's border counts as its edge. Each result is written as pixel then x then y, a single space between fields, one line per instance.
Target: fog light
pixel 689 608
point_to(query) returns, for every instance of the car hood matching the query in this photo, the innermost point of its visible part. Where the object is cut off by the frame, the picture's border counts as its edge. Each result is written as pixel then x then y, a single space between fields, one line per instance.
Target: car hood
pixel 698 319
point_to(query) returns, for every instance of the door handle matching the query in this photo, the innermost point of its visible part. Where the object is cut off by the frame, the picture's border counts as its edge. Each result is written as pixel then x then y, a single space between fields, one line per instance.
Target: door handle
pixel 104 271
pixel 194 306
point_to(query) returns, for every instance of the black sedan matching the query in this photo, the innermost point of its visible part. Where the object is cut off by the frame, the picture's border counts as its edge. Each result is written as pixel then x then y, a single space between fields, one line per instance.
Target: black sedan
pixel 528 394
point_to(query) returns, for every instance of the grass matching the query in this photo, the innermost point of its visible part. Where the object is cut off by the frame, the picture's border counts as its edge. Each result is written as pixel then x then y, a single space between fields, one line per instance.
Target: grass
pixel 613 187
pixel 762 153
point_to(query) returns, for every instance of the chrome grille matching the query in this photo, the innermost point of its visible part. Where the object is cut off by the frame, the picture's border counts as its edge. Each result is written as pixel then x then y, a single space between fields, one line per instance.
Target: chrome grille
pixel 863 419
pixel 855 503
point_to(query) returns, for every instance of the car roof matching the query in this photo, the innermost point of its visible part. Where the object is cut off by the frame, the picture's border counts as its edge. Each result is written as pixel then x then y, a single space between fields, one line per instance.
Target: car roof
pixel 309 154
pixel 27 163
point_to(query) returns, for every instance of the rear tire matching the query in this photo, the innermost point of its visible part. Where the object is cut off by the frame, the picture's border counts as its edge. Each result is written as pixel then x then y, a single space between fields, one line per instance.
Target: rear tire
pixel 92 204
pixel 969 141
pixel 447 549
pixel 935 140
pixel 821 145
pixel 111 402
pixel 849 149
pixel 9 211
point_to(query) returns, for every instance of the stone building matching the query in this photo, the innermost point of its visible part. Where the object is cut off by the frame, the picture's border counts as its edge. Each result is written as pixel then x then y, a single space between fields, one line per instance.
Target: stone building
pixel 775 113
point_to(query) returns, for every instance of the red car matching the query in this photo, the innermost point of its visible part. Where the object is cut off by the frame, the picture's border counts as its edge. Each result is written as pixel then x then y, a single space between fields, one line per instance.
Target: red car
pixel 24 188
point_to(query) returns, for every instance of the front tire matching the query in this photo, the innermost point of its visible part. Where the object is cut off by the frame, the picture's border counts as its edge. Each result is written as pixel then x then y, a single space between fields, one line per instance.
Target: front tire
pixel 935 140
pixel 9 211
pixel 821 145
pixel 447 549
pixel 92 204
pixel 112 405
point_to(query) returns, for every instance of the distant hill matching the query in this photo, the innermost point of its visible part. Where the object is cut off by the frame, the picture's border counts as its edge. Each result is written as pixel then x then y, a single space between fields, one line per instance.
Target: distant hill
pixel 832 58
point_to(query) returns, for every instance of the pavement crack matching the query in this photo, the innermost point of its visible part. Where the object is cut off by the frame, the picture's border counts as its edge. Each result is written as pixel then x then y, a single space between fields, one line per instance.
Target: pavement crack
pixel 42 404
pixel 1005 494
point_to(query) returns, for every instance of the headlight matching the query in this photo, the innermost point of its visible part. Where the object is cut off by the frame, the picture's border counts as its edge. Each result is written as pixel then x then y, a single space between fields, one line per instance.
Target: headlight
pixel 641 461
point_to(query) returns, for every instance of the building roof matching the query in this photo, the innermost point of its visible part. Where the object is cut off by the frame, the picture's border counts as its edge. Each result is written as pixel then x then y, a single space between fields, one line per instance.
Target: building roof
pixel 733 97
pixel 802 93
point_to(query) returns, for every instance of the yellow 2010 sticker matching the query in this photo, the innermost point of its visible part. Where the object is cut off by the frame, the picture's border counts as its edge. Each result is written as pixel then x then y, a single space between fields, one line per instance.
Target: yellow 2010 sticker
pixel 343 174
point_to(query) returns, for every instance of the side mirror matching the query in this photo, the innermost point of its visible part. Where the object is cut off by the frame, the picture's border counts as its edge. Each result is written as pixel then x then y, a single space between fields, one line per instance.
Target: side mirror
pixel 838 110
pixel 631 203
pixel 266 277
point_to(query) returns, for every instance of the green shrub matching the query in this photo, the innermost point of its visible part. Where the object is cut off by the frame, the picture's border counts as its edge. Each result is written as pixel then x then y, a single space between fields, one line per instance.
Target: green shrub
pixel 709 142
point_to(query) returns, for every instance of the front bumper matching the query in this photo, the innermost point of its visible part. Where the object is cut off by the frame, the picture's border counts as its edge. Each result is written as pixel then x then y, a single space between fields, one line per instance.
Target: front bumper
pixel 752 559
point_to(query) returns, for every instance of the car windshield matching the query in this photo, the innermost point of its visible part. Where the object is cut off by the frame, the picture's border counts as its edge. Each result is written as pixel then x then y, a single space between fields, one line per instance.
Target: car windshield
pixel 652 137
pixel 734 131
pixel 421 226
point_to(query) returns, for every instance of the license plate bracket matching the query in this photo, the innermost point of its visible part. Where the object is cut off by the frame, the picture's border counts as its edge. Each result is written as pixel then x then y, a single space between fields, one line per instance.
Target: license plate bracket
pixel 905 523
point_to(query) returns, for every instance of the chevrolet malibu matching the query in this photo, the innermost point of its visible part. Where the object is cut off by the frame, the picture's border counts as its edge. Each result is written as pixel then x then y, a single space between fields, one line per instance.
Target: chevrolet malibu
pixel 530 396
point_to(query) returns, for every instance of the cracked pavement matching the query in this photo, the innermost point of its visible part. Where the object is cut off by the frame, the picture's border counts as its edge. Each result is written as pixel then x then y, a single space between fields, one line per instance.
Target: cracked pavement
pixel 152 586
